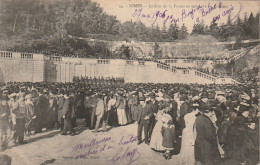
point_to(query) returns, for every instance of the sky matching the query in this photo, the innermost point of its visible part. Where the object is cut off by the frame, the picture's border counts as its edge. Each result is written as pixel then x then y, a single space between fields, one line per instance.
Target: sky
pixel 165 12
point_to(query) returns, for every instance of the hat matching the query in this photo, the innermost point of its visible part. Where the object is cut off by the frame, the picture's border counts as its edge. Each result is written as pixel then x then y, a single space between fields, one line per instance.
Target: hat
pixel 134 93
pixel 21 94
pixel 211 95
pixel 245 97
pixel 5 91
pixel 195 98
pixel 120 92
pixel 12 95
pixel 3 97
pixel 159 99
pixel 244 104
pixel 141 99
pixel 228 90
pixel 204 95
pixel 205 108
pixel 220 93
pixel 29 96
pixel 152 95
pixel 195 105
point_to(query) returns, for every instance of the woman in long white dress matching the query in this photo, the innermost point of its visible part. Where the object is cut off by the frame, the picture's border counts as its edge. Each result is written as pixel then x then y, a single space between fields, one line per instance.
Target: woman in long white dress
pixel 121 114
pixel 156 138
pixel 186 156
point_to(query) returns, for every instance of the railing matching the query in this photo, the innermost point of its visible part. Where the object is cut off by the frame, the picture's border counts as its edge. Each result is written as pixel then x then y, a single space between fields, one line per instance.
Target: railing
pixel 172 68
pixel 26 56
pixel 6 54
pixel 141 62
pixel 163 66
pixel 129 62
pixel 55 58
pixel 245 52
pixel 206 76
pixel 103 61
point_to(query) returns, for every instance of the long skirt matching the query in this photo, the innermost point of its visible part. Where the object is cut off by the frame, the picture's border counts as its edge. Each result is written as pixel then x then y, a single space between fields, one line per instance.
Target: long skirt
pixel 157 138
pixel 134 111
pixel 122 120
pixel 186 156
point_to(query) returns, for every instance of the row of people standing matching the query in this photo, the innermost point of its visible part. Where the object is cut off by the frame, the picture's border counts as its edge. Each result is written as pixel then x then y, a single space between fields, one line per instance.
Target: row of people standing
pixel 200 124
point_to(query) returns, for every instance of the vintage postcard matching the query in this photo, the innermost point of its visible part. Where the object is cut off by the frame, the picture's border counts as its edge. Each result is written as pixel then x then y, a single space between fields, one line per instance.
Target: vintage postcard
pixel 129 82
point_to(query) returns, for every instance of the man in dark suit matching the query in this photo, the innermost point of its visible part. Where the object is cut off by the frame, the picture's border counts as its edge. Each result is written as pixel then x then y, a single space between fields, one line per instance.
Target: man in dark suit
pixel 60 105
pixel 41 107
pixel 88 110
pixel 144 115
pixel 66 114
pixel 206 148
pixel 153 104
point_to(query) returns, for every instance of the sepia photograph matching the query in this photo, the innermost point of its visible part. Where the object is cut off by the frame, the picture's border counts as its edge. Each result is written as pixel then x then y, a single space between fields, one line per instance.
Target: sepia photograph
pixel 129 82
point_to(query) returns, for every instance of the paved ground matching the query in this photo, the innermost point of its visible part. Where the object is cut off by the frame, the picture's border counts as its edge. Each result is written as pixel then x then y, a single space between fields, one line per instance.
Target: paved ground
pixel 117 146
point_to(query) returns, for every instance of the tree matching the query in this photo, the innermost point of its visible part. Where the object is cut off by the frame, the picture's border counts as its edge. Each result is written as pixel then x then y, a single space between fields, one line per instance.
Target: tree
pixel 183 33
pixel 239 28
pixel 157 34
pixel 139 31
pixel 198 28
pixel 164 35
pixel 227 29
pixel 206 30
pixel 173 32
pixel 214 30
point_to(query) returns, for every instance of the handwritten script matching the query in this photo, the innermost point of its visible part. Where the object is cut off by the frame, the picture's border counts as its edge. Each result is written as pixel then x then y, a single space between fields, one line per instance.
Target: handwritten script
pixel 96 146
pixel 197 14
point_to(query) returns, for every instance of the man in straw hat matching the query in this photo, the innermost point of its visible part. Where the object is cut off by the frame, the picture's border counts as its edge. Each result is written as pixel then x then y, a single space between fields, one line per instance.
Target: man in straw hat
pixel 30 113
pixel 20 112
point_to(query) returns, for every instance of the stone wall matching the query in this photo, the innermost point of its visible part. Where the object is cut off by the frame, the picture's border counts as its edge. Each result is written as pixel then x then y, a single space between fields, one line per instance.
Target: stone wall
pixel 37 68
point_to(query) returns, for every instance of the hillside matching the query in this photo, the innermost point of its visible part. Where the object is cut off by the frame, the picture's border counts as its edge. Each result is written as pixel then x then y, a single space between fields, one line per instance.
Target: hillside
pixel 45 26
pixel 244 69
pixel 247 67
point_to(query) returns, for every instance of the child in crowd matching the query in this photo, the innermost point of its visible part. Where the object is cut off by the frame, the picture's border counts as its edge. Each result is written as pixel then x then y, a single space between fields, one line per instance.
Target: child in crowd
pixel 168 133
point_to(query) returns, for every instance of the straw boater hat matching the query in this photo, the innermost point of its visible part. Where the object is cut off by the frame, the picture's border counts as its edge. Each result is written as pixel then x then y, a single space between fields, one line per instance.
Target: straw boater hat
pixel 194 105
pixel 12 95
pixel 29 96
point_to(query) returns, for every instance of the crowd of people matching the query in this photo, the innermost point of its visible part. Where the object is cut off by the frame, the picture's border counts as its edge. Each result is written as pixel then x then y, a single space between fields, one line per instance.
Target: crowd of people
pixel 99 80
pixel 197 123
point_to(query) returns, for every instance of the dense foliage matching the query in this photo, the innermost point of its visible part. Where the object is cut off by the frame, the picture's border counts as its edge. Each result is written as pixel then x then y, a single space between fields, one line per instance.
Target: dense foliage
pixel 45 26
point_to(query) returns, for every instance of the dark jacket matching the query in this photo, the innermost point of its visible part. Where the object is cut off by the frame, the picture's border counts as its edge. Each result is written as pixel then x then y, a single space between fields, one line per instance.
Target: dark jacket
pixel 73 107
pixel 142 112
pixel 67 108
pixel 206 148
pixel 4 109
pixel 154 106
pixel 184 109
pixel 41 105
pixel 60 105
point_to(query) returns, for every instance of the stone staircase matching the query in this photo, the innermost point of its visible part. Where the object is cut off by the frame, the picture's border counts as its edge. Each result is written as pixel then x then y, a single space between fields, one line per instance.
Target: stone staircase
pixel 248 51
pixel 191 75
